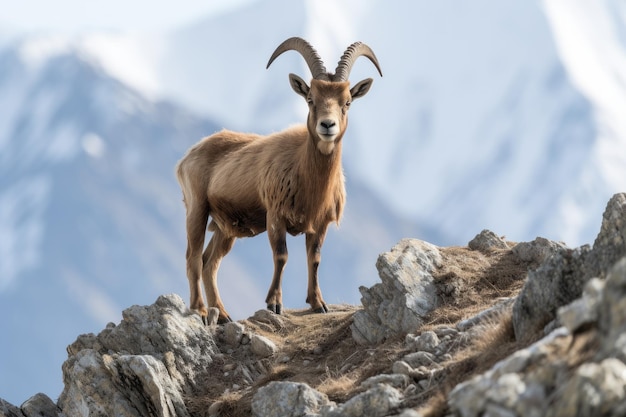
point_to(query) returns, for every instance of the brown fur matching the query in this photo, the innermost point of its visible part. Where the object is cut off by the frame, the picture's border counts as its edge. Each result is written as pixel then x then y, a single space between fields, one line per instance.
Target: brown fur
pixel 288 182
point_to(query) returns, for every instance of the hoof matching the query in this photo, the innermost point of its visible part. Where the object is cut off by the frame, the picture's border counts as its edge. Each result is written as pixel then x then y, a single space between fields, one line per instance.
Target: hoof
pixel 224 320
pixel 323 309
pixel 275 308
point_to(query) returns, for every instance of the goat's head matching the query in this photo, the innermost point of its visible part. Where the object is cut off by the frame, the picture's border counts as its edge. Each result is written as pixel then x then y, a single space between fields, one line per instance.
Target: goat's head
pixel 329 96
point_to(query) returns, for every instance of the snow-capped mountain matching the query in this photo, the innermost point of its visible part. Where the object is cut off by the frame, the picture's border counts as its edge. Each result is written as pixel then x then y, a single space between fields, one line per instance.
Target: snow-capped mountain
pixel 499 115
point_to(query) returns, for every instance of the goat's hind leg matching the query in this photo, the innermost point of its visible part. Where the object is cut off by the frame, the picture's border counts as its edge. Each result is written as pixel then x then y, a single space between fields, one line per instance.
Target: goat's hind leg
pixel 219 245
pixel 196 221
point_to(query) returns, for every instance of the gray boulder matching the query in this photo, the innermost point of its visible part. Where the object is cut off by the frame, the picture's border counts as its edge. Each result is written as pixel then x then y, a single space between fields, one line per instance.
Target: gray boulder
pixel 289 399
pixel 9 410
pixel 595 389
pixel 557 282
pixel 262 346
pixel 610 245
pixel 487 241
pixel 405 296
pixel 537 251
pixel 40 405
pixel 146 365
pixel 377 401
pixel 611 312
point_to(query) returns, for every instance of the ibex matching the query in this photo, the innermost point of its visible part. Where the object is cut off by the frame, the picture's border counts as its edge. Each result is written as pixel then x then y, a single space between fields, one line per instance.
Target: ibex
pixel 287 182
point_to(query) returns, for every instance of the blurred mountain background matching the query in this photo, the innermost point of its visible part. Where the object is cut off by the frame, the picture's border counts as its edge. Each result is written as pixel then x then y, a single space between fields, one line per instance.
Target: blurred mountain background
pixel 498 115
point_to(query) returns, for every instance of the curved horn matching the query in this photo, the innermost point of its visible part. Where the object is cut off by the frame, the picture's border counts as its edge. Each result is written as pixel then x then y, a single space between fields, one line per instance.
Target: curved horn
pixel 309 54
pixel 347 60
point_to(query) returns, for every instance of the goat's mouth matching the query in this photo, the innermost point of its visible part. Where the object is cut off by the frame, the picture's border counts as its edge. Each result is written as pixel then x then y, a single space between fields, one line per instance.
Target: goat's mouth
pixel 327 137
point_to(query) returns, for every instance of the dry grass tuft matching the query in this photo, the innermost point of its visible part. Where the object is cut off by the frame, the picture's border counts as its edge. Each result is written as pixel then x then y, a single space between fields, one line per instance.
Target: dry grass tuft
pixel 471 281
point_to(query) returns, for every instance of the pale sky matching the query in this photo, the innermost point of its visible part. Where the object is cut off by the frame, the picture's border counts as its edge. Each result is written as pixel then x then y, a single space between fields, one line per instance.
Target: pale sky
pixel 75 16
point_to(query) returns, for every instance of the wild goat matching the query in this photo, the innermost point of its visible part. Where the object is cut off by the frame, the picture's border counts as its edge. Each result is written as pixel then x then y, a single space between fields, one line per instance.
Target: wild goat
pixel 287 182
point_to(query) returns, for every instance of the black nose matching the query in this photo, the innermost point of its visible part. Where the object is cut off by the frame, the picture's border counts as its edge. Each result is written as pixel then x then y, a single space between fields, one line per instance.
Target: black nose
pixel 327 124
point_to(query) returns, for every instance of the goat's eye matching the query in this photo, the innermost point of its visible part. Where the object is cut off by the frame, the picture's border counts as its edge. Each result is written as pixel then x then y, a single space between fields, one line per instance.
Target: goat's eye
pixel 309 101
pixel 348 103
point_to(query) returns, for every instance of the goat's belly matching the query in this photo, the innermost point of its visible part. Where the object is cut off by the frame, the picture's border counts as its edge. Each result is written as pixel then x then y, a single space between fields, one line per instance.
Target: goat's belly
pixel 240 223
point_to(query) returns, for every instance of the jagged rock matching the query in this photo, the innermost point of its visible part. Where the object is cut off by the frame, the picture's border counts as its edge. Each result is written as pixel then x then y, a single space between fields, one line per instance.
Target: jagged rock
pixel 289 399
pixel 213 316
pixel 487 241
pixel 40 405
pixel 144 366
pixel 537 251
pixel 233 332
pixel 556 283
pixel 397 380
pixel 560 280
pixel 425 342
pixel 406 295
pixel 596 389
pixel 610 245
pixel 417 359
pixel 584 310
pixel 503 389
pixel 266 316
pixel 262 346
pixel 612 312
pixel 121 385
pixel 375 402
pixel 9 410
pixel 402 367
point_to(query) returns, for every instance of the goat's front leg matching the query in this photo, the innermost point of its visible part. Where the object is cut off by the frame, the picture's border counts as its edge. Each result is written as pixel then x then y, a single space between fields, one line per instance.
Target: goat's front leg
pixel 277 234
pixel 314 243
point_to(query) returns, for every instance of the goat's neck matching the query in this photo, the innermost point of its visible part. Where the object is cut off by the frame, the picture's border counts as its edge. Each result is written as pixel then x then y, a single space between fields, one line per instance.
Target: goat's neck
pixel 322 167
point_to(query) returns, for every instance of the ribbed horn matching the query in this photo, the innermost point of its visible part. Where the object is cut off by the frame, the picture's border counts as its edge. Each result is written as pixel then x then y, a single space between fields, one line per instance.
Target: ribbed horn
pixel 354 51
pixel 310 55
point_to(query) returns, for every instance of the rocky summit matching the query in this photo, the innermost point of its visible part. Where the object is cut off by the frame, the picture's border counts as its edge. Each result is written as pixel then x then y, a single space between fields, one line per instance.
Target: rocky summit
pixel 495 328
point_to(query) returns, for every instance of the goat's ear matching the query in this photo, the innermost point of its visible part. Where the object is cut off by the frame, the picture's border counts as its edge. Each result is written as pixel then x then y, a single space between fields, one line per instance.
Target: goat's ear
pixel 299 85
pixel 361 88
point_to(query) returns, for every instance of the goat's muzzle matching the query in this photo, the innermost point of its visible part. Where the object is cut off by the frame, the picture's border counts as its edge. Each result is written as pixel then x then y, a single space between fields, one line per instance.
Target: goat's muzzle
pixel 327 130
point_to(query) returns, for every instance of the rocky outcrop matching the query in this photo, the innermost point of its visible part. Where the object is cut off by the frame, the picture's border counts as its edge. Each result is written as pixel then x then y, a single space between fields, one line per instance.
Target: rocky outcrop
pixel 405 296
pixel 143 366
pixel 567 325
pixel 561 278
pixel 576 370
